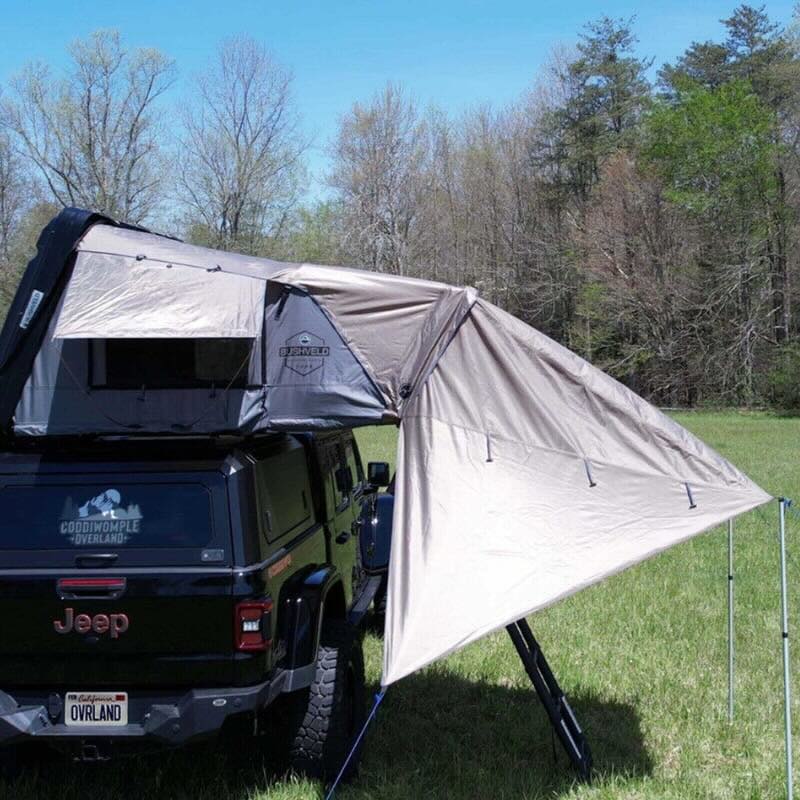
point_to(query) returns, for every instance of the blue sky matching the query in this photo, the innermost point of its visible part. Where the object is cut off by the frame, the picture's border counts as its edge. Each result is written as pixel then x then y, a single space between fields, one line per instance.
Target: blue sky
pixel 454 54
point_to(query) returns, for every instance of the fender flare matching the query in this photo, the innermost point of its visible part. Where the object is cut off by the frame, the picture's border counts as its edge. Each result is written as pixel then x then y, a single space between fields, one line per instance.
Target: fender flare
pixel 304 612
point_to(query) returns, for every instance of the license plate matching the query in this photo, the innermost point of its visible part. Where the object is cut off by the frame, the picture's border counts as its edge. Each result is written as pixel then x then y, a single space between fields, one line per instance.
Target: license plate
pixel 96 709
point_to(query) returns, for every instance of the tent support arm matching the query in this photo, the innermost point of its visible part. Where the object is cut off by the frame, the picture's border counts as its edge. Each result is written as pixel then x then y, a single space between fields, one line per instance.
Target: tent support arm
pixel 555 704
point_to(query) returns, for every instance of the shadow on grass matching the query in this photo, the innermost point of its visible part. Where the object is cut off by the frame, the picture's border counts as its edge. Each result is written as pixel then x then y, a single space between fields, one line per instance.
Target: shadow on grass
pixel 436 736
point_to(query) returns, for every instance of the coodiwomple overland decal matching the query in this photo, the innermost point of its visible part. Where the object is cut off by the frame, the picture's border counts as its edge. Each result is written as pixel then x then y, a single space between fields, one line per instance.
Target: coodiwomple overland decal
pixel 101 520
pixel 304 353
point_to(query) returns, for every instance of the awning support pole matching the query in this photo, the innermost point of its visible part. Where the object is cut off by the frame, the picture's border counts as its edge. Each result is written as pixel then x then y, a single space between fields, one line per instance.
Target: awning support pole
pixel 730 621
pixel 787 692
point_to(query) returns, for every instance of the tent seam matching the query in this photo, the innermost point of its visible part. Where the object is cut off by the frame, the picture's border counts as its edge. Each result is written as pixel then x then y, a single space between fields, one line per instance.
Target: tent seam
pixel 423 376
pixel 569 453
pixel 164 261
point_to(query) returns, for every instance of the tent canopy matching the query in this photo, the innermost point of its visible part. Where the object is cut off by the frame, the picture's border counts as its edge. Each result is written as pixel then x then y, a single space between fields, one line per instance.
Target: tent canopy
pixel 523 472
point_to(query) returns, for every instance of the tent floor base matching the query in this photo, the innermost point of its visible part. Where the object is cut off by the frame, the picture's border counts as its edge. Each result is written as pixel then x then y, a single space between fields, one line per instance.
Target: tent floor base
pixel 561 716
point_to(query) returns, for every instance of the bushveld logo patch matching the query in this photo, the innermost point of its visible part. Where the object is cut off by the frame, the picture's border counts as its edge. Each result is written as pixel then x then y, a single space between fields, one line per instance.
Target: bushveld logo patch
pixel 304 353
pixel 101 520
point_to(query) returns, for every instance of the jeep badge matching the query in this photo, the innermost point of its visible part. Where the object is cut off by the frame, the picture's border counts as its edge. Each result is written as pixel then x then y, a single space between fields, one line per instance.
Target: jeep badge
pixel 114 624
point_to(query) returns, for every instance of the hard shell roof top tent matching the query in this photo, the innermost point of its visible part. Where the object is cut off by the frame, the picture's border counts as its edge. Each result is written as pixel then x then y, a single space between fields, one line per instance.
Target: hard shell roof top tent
pixel 514 452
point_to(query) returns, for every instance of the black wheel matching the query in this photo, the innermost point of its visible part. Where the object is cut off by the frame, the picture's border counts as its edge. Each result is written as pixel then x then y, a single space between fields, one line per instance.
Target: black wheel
pixel 329 714
pixel 9 764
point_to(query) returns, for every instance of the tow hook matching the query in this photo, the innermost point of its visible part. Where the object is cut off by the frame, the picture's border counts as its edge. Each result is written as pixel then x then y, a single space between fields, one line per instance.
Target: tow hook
pixel 55 705
pixel 91 753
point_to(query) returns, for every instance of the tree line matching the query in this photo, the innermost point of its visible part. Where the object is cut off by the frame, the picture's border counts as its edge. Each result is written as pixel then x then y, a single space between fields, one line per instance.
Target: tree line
pixel 647 219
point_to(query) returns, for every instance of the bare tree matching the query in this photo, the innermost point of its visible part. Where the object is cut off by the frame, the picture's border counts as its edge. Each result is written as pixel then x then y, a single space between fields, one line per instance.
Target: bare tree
pixel 15 199
pixel 93 135
pixel 380 171
pixel 14 195
pixel 240 167
pixel 22 248
pixel 641 304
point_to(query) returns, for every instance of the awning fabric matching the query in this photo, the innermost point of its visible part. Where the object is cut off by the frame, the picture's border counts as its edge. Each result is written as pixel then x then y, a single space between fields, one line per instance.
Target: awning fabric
pixel 523 473
pixel 528 474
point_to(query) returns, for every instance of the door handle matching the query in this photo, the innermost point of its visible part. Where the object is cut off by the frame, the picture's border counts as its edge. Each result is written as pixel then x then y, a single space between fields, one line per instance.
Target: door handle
pixel 343 537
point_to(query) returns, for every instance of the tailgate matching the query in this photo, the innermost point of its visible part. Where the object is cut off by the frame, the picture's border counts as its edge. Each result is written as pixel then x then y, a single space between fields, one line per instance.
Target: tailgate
pixel 115 581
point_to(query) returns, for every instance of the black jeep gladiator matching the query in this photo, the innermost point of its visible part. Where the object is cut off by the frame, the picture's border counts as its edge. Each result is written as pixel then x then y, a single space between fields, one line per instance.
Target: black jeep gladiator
pixel 154 592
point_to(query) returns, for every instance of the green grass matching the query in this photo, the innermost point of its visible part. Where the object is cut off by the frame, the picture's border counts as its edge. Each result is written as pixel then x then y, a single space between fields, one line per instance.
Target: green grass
pixel 641 656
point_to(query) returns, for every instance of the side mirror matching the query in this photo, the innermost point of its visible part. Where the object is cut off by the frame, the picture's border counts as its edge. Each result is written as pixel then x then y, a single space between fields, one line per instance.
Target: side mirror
pixel 344 480
pixel 378 473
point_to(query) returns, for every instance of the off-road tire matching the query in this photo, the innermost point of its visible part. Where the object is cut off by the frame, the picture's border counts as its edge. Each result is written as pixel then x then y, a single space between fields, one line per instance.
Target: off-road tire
pixel 10 768
pixel 330 713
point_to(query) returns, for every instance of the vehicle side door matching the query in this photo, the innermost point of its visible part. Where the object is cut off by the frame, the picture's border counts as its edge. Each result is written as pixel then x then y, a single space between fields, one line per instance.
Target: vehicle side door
pixel 344 484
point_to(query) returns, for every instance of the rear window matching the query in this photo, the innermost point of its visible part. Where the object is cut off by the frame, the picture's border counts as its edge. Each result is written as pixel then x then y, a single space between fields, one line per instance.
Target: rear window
pixel 119 516
pixel 287 491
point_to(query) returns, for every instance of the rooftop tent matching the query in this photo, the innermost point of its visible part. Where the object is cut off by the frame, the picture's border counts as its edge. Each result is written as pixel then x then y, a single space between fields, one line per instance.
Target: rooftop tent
pixel 524 473
pixel 185 328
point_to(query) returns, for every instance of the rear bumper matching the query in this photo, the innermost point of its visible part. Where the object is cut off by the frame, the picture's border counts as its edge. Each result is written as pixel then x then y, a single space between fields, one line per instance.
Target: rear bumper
pixel 164 718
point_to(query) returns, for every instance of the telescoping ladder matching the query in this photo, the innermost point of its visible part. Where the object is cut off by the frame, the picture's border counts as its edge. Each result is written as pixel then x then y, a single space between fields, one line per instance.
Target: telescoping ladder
pixel 561 716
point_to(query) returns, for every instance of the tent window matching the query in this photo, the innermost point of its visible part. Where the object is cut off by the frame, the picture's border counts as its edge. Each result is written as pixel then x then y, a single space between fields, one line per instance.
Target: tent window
pixel 169 363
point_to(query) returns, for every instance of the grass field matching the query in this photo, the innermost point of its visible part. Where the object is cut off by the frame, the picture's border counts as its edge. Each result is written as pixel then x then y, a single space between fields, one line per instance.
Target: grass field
pixel 642 657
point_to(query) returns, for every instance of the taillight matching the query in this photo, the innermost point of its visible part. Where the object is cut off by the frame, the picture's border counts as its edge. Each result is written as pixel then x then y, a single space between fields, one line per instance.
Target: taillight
pixel 253 625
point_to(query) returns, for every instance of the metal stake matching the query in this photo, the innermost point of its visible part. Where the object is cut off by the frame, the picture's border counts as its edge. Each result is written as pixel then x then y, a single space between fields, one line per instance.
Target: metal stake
pixel 730 621
pixel 787 692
